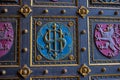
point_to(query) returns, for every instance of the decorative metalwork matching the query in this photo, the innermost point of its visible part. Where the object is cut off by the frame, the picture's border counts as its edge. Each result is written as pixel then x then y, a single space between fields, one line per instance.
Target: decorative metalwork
pixel 83 11
pixel 6 38
pixel 84 70
pixel 38 23
pixel 71 57
pixel 107 39
pixel 25 71
pixel 70 24
pixel 39 57
pixel 54 41
pixel 34 31
pixel 25 10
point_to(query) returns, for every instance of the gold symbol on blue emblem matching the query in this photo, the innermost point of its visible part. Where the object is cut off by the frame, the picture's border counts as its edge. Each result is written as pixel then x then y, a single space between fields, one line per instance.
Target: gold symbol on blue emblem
pixel 54 41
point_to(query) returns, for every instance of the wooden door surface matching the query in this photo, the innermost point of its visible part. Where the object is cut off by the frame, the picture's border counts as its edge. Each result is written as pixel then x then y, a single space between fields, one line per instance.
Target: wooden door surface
pixel 59 40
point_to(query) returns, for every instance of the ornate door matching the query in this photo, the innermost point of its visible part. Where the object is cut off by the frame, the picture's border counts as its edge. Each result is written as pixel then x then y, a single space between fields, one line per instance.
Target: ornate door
pixel 59 40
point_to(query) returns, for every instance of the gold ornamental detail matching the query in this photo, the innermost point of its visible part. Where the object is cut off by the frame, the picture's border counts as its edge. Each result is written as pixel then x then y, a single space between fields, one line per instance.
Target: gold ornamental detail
pixel 25 71
pixel 83 11
pixel 84 70
pixel 25 10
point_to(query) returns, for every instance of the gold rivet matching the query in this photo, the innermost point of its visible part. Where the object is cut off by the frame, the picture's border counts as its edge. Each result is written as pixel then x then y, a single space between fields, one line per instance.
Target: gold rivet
pixel 39 57
pixel 71 57
pixel 3 72
pixel 83 32
pixel 46 71
pixel 63 11
pixel 46 11
pixel 5 10
pixel 24 49
pixel 101 12
pixel 25 31
pixel 83 49
pixel 64 71
pixel 70 24
pixel 103 69
pixel 38 23
pixel 116 13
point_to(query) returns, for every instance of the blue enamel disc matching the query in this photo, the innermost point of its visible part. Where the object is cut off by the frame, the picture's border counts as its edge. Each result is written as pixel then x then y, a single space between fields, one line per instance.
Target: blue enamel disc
pixel 54 41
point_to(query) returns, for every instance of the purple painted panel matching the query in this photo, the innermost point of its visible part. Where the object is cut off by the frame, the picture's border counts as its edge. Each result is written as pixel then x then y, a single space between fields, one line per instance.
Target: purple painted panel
pixel 6 37
pixel 107 39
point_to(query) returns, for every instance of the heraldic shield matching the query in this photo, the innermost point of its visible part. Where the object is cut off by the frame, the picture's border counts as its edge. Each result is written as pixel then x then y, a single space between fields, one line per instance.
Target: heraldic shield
pixel 107 39
pixel 6 38
pixel 54 41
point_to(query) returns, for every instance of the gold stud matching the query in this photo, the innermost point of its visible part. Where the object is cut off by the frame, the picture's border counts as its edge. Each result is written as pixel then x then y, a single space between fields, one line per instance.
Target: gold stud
pixel 103 69
pixel 64 71
pixel 101 12
pixel 71 57
pixel 70 24
pixel 63 11
pixel 38 23
pixel 83 32
pixel 24 49
pixel 83 49
pixel 25 31
pixel 46 11
pixel 5 10
pixel 39 57
pixel 3 72
pixel 46 71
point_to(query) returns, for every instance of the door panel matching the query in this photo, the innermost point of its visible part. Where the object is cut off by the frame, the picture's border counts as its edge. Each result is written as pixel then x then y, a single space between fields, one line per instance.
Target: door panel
pixel 44 60
pixel 103 3
pixel 10 41
pixel 54 3
pixel 59 40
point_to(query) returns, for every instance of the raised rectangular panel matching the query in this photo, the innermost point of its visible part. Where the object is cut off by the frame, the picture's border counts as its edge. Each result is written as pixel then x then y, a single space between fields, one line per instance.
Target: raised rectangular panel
pixel 9 41
pixel 103 40
pixel 104 3
pixel 105 77
pixel 10 2
pixel 55 78
pixel 37 57
pixel 48 3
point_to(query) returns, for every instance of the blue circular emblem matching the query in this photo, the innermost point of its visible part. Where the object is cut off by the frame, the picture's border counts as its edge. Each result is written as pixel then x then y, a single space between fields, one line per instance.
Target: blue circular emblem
pixel 54 41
